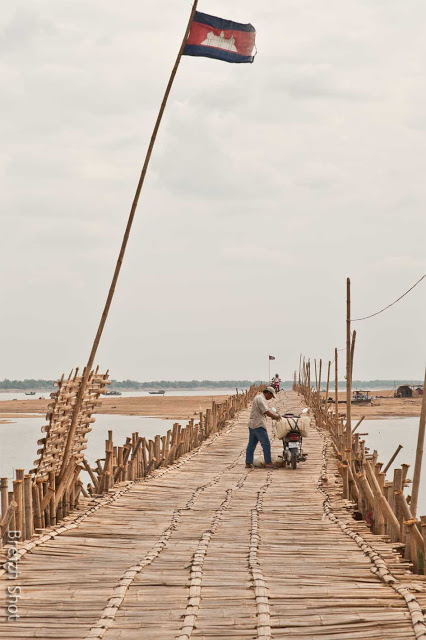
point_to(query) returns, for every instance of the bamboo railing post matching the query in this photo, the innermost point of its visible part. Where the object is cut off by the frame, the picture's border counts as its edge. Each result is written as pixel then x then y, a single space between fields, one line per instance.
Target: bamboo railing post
pixel 44 502
pixel 367 492
pixel 4 497
pixel 50 497
pixel 143 454
pixel 28 507
pixel 381 528
pixel 12 521
pixel 157 451
pixel 383 503
pixel 404 468
pixel 7 520
pixel 126 454
pixel 18 490
pixel 56 504
pixel 407 515
pixel 419 455
pixel 4 488
pixel 423 528
pixel 327 387
pixel 119 472
pixel 105 482
pixel 397 486
pixel 38 519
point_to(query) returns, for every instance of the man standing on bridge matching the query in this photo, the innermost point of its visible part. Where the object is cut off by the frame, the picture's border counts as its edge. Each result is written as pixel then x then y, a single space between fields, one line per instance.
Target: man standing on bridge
pixel 257 427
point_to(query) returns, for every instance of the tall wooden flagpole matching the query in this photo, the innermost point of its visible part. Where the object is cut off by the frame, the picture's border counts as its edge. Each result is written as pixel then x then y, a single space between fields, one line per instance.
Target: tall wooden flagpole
pixel 104 316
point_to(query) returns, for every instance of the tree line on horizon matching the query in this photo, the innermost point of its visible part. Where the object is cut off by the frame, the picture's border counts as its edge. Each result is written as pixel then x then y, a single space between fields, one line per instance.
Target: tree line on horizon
pixel 133 385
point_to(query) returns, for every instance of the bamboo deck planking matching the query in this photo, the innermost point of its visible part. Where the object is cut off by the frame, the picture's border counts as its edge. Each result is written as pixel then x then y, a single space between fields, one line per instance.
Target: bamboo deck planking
pixel 211 550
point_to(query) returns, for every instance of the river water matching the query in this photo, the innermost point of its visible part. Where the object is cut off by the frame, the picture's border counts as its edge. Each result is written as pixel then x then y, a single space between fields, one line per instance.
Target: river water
pixel 385 436
pixel 18 439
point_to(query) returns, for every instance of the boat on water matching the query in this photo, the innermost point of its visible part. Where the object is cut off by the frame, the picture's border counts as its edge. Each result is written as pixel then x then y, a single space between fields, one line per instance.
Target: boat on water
pixel 30 393
pixel 111 393
pixel 160 392
pixel 361 397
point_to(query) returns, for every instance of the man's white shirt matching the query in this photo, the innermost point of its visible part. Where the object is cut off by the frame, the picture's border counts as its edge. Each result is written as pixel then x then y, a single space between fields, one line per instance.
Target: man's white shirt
pixel 258 410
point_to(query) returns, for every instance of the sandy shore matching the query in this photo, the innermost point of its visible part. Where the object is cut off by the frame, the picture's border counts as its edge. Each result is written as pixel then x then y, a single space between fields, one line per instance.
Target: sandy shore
pixel 186 407
pixel 173 407
pixel 384 407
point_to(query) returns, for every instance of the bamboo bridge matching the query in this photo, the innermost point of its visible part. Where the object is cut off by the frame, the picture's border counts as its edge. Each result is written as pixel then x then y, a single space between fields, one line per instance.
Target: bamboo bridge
pixel 205 548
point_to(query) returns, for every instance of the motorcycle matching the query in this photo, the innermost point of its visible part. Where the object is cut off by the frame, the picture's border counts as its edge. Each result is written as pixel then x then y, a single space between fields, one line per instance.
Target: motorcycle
pixel 276 385
pixel 292 442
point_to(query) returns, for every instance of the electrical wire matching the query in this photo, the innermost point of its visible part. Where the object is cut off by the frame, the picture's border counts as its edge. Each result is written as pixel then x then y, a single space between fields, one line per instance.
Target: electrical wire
pixel 392 303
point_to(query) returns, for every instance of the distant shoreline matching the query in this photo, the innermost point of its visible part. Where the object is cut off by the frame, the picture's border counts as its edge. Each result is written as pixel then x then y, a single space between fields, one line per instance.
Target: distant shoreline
pixel 47 386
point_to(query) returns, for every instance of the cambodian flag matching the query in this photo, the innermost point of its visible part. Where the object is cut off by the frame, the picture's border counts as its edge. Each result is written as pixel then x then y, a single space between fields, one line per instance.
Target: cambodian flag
pixel 222 39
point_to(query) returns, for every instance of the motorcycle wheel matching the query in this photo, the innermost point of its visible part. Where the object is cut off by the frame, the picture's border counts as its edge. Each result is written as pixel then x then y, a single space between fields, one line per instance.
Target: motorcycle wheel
pixel 293 459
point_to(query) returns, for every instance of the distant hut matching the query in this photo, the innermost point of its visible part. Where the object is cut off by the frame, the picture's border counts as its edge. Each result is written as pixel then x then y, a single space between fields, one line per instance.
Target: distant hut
pixel 404 392
pixel 419 392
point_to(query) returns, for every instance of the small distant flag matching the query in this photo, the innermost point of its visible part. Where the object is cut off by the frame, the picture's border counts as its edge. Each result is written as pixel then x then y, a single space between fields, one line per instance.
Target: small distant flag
pixel 271 357
pixel 221 39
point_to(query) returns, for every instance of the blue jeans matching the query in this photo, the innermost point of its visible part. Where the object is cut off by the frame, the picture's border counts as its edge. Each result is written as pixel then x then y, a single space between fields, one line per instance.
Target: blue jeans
pixel 258 435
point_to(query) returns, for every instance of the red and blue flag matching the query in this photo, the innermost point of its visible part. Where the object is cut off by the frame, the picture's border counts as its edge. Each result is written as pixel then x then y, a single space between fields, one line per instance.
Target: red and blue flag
pixel 221 39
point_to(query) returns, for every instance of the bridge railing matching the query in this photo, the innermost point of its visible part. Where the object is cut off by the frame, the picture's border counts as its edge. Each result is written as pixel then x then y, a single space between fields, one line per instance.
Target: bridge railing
pixel 381 503
pixel 36 502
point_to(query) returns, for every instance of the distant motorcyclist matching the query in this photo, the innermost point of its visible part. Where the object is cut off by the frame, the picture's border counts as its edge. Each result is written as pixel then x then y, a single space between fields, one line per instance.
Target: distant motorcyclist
pixel 275 382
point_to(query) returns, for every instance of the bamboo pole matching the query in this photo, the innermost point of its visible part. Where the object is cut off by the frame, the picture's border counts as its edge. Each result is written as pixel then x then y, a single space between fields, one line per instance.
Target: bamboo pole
pixel 423 527
pixel 382 502
pixel 408 517
pixel 380 521
pixel 397 486
pixel 28 507
pixel 91 474
pixel 12 521
pixel 4 488
pixel 86 373
pixel 20 474
pixel 353 352
pixel 336 385
pixel 419 454
pixel 38 521
pixel 357 424
pixel 404 468
pixel 392 458
pixel 328 384
pixel 348 431
pixel 368 494
pixel 8 517
pixel 18 494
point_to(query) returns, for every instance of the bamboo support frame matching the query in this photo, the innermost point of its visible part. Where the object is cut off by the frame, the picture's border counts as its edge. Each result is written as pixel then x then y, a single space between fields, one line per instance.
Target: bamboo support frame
pixel 381 503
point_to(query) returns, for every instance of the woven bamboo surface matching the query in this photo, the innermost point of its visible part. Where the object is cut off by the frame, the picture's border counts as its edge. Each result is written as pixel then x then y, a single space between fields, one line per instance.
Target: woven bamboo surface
pixel 211 550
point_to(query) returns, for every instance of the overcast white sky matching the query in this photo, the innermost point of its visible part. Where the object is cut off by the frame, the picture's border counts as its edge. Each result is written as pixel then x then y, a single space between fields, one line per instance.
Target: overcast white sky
pixel 270 184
